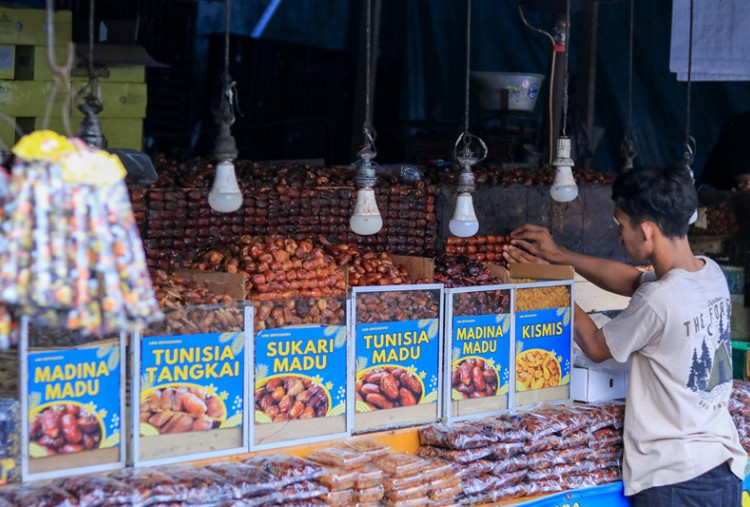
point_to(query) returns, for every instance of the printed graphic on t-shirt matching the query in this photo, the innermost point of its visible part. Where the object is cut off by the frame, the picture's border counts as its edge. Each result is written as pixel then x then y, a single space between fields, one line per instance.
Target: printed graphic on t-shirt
pixel 711 367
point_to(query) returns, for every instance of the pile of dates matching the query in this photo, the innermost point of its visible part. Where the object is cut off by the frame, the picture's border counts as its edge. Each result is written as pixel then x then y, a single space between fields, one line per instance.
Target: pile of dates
pixel 272 314
pixel 462 271
pixel 276 267
pixel 487 248
pixel 370 268
pixel 392 306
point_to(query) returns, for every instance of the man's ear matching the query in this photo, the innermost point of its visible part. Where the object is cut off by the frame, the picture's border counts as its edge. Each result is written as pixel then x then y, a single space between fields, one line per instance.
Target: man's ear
pixel 648 229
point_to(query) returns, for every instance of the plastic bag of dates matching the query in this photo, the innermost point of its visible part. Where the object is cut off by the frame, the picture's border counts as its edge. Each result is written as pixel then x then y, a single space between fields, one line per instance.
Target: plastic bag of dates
pixel 302 490
pixel 151 485
pixel 251 480
pixel 370 447
pixel 98 490
pixel 37 495
pixel 337 456
pixel 201 484
pixel 400 464
pixel 505 427
pixel 455 455
pixel 285 468
pixel 463 435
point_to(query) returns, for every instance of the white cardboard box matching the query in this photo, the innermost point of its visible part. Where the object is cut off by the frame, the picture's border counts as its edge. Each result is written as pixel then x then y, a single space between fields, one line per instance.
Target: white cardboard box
pixel 593 299
pixel 598 385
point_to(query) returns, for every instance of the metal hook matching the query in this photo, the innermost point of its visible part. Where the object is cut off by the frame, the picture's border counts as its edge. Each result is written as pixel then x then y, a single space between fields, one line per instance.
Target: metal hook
pixel 59 74
pixel 689 155
pixel 467 156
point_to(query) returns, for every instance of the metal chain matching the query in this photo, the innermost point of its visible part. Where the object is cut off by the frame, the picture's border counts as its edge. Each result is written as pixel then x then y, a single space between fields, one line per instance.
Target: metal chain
pixel 468 65
pixel 689 153
pixel 565 71
pixel 629 146
pixel 368 129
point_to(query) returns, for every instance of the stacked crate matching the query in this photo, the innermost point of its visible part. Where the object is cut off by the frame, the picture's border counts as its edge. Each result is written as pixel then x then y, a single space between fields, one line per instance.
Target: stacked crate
pixel 26 83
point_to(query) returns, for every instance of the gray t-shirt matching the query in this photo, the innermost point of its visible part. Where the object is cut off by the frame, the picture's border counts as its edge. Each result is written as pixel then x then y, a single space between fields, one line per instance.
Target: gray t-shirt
pixel 675 331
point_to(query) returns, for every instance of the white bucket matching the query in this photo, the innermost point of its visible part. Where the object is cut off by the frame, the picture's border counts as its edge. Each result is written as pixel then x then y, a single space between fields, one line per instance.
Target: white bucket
pixel 506 91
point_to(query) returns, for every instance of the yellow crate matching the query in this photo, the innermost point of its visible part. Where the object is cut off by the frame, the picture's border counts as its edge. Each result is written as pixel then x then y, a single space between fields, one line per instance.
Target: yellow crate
pixel 29 98
pixel 9 136
pixel 123 132
pixel 120 100
pixel 29 26
pixel 31 64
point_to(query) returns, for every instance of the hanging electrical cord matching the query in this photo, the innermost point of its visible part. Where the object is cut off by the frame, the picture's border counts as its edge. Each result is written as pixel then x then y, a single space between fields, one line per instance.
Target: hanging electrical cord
pixel 564 119
pixel 553 64
pixel 367 129
pixel 629 146
pixel 689 144
pixel 60 74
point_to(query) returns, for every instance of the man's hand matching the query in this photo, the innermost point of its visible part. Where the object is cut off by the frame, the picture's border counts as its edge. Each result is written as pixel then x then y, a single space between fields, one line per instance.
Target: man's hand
pixel 515 254
pixel 534 240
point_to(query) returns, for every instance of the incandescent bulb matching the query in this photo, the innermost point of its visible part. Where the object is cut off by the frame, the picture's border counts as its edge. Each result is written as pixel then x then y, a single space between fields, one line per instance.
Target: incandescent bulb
pixel 464 222
pixel 366 219
pixel 564 187
pixel 225 195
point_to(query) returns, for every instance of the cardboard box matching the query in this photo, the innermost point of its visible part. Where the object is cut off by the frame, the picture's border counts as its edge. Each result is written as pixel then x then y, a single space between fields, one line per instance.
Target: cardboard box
pixel 29 26
pixel 31 64
pixel 121 132
pixel 29 98
pixel 217 282
pixel 418 267
pixel 598 385
pixel 591 298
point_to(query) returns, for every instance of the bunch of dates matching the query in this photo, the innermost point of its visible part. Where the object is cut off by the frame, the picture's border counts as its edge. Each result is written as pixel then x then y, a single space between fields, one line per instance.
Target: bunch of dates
pixel 396 306
pixel 370 268
pixel 292 312
pixel 276 267
pixel 462 271
pixel 487 248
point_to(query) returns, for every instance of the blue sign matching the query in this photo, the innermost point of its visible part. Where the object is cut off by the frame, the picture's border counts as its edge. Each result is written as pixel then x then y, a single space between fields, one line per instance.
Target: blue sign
pixel 543 345
pixel 405 354
pixel 74 400
pixel 481 356
pixel 300 373
pixel 191 382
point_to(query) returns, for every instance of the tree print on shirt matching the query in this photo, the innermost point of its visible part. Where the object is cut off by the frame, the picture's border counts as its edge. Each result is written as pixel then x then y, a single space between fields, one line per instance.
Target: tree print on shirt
pixel 707 371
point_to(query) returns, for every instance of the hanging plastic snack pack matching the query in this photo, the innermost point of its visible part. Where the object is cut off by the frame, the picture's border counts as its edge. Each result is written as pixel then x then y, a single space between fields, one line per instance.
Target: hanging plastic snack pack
pixel 70 252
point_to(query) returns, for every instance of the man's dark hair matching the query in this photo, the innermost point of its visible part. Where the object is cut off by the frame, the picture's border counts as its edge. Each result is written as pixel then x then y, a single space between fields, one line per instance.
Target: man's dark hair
pixel 663 194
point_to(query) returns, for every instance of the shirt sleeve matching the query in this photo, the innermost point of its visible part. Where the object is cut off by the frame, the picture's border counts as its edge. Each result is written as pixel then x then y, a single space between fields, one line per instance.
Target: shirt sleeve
pixel 633 329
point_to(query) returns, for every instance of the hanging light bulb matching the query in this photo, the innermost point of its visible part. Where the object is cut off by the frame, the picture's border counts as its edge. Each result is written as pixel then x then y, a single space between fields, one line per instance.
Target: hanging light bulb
pixel 225 195
pixel 464 222
pixel 564 188
pixel 366 219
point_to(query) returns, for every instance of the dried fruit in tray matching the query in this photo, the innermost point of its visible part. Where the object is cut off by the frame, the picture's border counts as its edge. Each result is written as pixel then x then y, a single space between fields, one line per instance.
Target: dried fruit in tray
pixel 464 435
pixel 368 446
pixel 372 494
pixel 455 455
pixel 369 475
pixel 251 480
pixel 97 490
pixel 339 457
pixel 444 482
pixel 400 464
pixel 394 482
pixel 271 498
pixel 445 493
pixel 437 468
pixel 340 497
pixel 201 484
pixel 337 479
pixel 309 502
pixel 411 502
pixel 473 468
pixel 151 485
pixel 286 468
pixel 302 490
pixel 37 495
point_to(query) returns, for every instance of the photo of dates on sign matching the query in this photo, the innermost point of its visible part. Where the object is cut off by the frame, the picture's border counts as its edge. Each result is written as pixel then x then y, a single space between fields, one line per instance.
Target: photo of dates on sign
pixel 480 356
pixel 300 373
pixel 191 383
pixel 74 400
pixel 397 364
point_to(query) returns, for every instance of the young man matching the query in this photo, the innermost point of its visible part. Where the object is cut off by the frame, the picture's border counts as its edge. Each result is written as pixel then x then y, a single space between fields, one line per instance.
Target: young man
pixel 681 447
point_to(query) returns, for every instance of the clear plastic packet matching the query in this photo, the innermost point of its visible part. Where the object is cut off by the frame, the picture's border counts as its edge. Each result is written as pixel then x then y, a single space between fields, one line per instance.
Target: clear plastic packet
pixel 310 502
pixel 436 468
pixel 394 482
pixel 506 427
pixel 608 462
pixel 474 498
pixel 37 495
pixel 463 435
pixel 369 475
pixel 571 418
pixel 740 396
pixel 502 450
pixel 599 415
pixel 372 494
pixel 444 482
pixel 540 460
pixel 250 480
pixel 97 490
pixel 575 439
pixel 605 437
pixel 366 504
pixel 400 464
pixel 455 455
pixel 546 486
pixel 539 444
pixel 286 468
pixel 558 472
pixel 541 423
pixel 508 493
pixel 370 447
pixel 411 502
pixel 509 479
pixel 479 483
pixel 576 481
pixel 510 464
pixel 340 497
pixel 302 490
pixel 445 493
pixel 272 498
pixel 606 452
pixel 573 454
pixel 474 468
pixel 151 485
pixel 337 479
pixel 201 484
pixel 338 457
